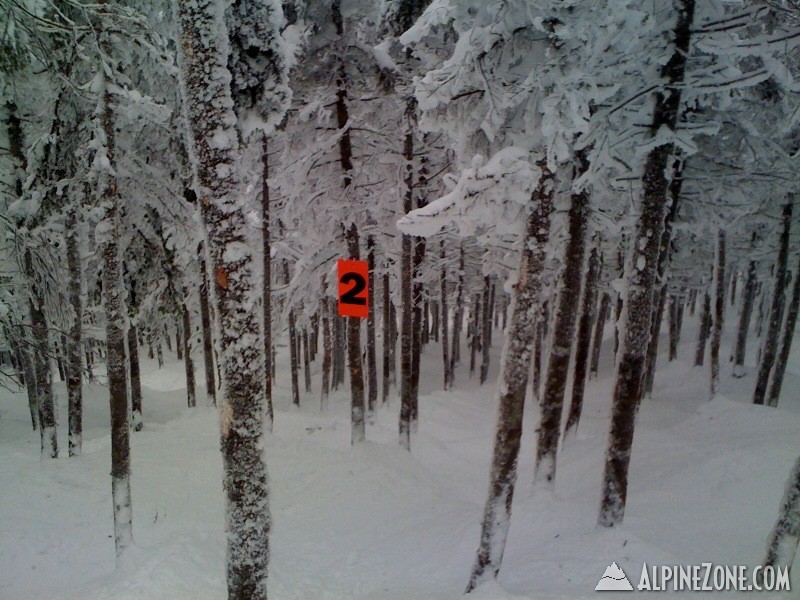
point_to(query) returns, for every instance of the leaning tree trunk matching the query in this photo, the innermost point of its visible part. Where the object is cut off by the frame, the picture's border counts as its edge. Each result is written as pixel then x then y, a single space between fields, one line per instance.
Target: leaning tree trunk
pixel 748 299
pixel 588 304
pixel 205 321
pixel 372 359
pixel 514 371
pixel 641 280
pixel 776 310
pixel 719 311
pixel 566 309
pixel 599 328
pixel 113 298
pixel 784 538
pixel 46 404
pixel 207 102
pixel 786 344
pixel 75 336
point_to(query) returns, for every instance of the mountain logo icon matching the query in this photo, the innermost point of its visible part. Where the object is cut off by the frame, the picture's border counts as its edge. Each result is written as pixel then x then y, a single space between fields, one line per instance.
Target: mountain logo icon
pixel 613 580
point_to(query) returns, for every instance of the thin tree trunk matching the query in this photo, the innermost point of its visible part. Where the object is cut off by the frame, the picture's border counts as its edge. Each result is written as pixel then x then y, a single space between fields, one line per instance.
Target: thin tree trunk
pixel 372 359
pixel 514 374
pixel 327 311
pixel 487 328
pixel 188 363
pixel 588 305
pixel 474 332
pixel 786 343
pixel 641 280
pixel 179 335
pixel 136 379
pixel 406 295
pixel 295 359
pixel 552 401
pixel 599 327
pixel 776 310
pixel 719 311
pixel 306 360
pixel 448 375
pixel 748 298
pixel 357 424
pixel 705 328
pixel 458 314
pixel 75 340
pixel 205 321
pixel 388 339
pixel 266 282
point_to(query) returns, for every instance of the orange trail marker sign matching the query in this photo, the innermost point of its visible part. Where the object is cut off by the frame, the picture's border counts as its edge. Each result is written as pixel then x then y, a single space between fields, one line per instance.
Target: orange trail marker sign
pixel 353 288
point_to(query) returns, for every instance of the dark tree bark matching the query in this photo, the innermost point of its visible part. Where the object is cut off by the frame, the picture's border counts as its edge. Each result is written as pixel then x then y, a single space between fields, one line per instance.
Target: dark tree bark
pixel 406 296
pixel 388 339
pixel 513 382
pixel 704 331
pixel 306 360
pixel 674 302
pixel 372 359
pixel 538 357
pixel 486 334
pixel 188 363
pixel 357 424
pixel 642 279
pixel 208 343
pixel 448 374
pixel 748 299
pixel 786 343
pixel 784 538
pixel 327 310
pixel 25 350
pixel 458 314
pixel 75 339
pixel 599 327
pixel 474 332
pixel 179 335
pixel 776 310
pixel 588 305
pixel 136 379
pixel 552 401
pixel 719 311
pixel 294 358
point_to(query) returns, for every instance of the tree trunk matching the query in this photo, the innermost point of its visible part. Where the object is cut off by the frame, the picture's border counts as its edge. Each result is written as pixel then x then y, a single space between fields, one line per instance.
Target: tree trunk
pixel 136 379
pixel 784 538
pixel 641 280
pixel 599 327
pixel 179 335
pixel 486 335
pixel 28 368
pixel 552 401
pixel 406 296
pixel 705 328
pixel 266 282
pixel 113 296
pixel 588 305
pixel 786 344
pixel 357 424
pixel 388 339
pixel 306 361
pixel 448 374
pixel 372 359
pixel 474 332
pixel 75 339
pixel 46 404
pixel 295 359
pixel 748 298
pixel 208 343
pixel 719 311
pixel 191 396
pixel 243 404
pixel 514 372
pixel 327 311
pixel 458 314
pixel 776 310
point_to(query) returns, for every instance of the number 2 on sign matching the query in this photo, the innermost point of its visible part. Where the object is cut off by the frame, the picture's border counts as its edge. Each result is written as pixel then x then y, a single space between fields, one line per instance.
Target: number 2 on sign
pixel 353 288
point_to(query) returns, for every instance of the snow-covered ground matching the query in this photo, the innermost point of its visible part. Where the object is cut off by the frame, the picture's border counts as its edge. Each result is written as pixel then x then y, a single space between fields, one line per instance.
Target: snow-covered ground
pixel 374 522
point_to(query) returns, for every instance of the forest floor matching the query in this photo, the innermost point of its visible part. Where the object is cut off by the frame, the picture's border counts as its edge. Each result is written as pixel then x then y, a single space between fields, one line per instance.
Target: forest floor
pixel 374 522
